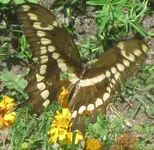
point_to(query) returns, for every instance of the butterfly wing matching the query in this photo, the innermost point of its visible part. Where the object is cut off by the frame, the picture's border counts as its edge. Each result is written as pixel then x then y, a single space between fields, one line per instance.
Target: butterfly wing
pixel 105 77
pixel 55 50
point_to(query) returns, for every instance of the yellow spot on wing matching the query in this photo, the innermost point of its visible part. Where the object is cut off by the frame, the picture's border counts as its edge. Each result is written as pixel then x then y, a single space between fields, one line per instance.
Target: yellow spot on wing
pixel 45 94
pixel 25 7
pixel 32 16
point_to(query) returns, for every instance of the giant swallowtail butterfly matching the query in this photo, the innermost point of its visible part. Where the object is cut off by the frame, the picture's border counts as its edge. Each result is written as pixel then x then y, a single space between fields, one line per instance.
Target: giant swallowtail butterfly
pixel 91 87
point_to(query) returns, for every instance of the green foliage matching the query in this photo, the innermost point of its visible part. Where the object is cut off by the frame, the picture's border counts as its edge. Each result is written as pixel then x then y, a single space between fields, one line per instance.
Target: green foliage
pixel 24 47
pixel 65 75
pixel 105 129
pixel 13 82
pixel 146 130
pixel 90 50
pixel 4 49
pixel 67 6
pixel 4 1
pixel 117 18
pixel 32 129
pixel 22 54
pixel 141 90
pixel 6 28
pixel 17 1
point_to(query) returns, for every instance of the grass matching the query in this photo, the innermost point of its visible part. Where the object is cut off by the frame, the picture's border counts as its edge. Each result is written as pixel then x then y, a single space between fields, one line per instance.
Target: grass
pixel 34 130
pixel 140 89
pixel 30 131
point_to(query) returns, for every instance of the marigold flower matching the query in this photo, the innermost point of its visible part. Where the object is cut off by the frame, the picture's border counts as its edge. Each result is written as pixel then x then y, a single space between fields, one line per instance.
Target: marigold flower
pixel 7 116
pixel 7 104
pixel 61 120
pixel 60 128
pixel 63 96
pixel 69 136
pixel 94 144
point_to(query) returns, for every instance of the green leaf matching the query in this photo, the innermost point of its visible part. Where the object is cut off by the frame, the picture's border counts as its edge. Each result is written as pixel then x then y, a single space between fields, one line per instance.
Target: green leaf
pixel 103 132
pixel 23 1
pixel 13 82
pixel 4 1
pixel 33 1
pixel 102 2
pixel 138 28
pixel 2 27
pixel 138 128
pixel 74 1
pixel 19 2
pixel 117 2
pixel 137 107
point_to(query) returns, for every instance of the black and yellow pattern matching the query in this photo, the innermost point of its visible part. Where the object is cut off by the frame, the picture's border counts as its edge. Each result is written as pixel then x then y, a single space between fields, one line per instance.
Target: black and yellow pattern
pixel 92 87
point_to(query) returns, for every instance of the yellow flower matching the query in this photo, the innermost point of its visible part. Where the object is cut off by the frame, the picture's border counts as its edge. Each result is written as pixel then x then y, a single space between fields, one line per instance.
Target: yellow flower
pixel 63 96
pixel 7 116
pixel 60 128
pixel 69 136
pixel 61 120
pixel 25 145
pixel 94 144
pixel 7 104
pixel 9 119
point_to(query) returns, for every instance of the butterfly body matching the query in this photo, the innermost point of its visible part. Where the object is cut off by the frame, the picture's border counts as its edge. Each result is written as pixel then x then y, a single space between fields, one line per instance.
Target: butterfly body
pixel 91 87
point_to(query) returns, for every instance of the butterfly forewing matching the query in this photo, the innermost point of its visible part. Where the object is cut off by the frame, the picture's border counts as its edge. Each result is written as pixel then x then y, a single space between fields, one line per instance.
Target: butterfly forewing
pixel 46 35
pixel 55 50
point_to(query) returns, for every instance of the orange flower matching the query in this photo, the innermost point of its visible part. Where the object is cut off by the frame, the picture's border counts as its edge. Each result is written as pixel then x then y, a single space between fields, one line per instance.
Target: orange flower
pixel 63 96
pixel 7 116
pixel 94 144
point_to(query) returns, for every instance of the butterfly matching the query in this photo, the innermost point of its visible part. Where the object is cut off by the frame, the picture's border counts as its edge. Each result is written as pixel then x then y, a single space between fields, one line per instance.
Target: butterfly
pixel 91 87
